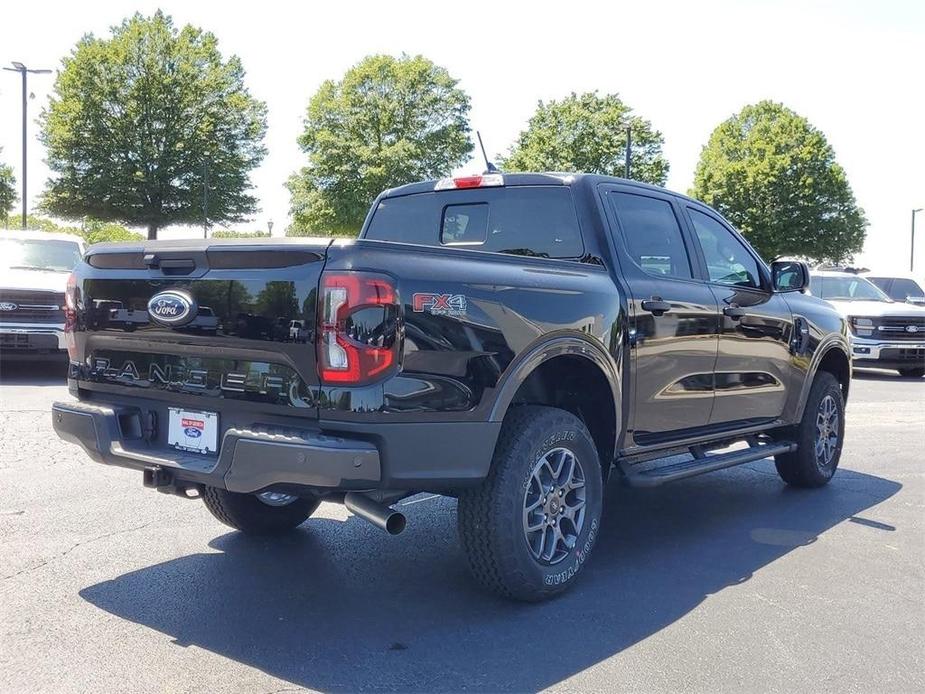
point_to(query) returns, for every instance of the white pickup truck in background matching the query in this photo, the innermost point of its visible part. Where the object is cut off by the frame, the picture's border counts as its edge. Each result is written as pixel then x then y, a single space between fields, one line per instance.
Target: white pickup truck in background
pixel 34 267
pixel 885 334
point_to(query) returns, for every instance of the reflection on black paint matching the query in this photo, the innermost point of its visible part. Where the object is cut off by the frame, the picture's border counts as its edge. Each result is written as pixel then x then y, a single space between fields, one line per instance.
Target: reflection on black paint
pixel 229 379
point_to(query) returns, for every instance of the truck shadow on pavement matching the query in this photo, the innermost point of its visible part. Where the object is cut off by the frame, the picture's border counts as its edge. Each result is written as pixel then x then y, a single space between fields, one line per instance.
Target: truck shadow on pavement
pixel 47 372
pixel 339 606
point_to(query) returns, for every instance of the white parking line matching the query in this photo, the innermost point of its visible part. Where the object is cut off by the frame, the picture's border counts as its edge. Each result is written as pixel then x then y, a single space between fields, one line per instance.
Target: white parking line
pixel 417 501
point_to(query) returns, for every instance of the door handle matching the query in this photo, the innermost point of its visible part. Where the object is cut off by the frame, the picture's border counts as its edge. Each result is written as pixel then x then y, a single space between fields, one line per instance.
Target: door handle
pixel 656 306
pixel 735 312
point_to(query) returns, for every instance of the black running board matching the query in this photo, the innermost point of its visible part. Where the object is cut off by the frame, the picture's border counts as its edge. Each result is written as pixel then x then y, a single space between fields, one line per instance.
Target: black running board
pixel 703 463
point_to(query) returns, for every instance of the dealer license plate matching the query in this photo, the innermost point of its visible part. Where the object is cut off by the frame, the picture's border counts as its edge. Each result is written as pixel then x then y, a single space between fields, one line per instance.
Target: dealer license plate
pixel 192 430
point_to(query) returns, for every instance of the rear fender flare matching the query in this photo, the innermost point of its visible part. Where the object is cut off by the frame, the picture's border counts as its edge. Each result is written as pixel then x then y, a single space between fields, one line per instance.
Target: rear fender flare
pixel 562 345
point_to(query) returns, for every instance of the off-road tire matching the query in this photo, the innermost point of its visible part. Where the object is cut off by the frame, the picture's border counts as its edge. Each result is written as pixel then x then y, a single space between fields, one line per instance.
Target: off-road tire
pixel 491 516
pixel 802 468
pixel 916 372
pixel 247 513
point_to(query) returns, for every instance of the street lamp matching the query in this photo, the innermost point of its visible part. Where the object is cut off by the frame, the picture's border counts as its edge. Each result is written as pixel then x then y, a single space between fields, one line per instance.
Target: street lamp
pixel 912 243
pixel 270 227
pixel 23 70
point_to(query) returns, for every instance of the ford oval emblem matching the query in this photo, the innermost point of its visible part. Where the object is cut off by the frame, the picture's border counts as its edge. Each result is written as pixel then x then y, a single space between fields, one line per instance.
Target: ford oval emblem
pixel 8 306
pixel 192 432
pixel 172 308
pixel 912 328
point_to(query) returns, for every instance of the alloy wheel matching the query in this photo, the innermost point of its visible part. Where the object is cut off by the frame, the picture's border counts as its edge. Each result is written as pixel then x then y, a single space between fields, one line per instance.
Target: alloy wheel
pixel 554 506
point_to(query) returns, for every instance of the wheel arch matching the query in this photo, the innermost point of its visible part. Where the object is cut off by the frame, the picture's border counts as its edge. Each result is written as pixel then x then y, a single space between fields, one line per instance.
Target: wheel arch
pixel 573 373
pixel 833 358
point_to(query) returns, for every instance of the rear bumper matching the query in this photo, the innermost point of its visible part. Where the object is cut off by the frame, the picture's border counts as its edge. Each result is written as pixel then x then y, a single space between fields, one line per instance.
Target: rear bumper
pixel 432 457
pixel 30 339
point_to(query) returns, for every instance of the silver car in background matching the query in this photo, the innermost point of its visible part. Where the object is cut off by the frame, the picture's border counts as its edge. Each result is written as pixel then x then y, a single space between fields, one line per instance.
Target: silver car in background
pixel 905 288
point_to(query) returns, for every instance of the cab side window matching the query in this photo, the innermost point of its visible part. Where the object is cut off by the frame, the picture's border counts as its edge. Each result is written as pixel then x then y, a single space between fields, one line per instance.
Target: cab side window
pixel 652 235
pixel 728 261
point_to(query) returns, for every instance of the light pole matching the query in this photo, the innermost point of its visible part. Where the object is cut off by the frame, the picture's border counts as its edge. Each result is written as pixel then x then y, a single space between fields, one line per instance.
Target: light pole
pixel 912 242
pixel 270 227
pixel 24 71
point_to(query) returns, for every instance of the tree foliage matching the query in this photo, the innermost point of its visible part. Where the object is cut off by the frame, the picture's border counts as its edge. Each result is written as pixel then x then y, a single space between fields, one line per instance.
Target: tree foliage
pixel 587 133
pixel 7 191
pixel 230 234
pixel 389 121
pixel 92 230
pixel 774 176
pixel 96 231
pixel 138 122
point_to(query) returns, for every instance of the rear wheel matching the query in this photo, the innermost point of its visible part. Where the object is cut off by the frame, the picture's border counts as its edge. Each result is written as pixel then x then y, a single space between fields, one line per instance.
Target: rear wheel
pixel 916 372
pixel 531 525
pixel 819 436
pixel 268 513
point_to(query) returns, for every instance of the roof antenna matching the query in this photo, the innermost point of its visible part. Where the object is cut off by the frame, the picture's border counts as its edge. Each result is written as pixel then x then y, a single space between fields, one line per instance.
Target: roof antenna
pixel 489 167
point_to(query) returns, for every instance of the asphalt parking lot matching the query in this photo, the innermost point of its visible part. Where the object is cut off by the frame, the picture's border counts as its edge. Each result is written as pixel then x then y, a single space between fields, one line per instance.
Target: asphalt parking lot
pixel 726 582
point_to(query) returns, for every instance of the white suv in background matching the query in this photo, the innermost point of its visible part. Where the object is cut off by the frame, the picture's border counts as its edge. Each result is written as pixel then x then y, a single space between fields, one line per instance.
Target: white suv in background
pixel 34 267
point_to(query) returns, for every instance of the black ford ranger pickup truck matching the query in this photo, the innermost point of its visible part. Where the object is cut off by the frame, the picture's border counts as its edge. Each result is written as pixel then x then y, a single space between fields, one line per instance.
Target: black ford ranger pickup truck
pixel 511 340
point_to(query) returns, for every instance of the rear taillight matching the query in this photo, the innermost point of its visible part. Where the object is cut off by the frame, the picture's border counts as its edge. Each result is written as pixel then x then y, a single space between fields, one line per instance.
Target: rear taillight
pixel 357 338
pixel 71 300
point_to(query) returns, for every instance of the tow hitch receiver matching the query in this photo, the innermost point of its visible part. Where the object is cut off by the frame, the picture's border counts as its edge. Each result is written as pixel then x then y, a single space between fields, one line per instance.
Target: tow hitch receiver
pixel 156 477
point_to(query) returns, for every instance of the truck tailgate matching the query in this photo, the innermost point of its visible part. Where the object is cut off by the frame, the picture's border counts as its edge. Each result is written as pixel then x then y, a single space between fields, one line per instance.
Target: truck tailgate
pixel 242 327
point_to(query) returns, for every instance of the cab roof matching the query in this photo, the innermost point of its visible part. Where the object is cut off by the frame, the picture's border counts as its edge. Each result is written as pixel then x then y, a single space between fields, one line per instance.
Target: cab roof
pixel 548 178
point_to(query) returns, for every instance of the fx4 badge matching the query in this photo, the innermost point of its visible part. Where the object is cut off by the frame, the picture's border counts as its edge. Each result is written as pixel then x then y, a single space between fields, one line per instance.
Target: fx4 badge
pixel 439 304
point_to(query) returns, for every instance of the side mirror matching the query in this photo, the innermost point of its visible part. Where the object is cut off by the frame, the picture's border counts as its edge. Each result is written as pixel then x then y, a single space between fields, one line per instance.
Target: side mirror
pixel 789 275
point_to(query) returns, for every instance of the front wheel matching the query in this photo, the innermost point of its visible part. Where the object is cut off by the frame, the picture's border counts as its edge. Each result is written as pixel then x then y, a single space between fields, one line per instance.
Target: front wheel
pixel 531 525
pixel 916 372
pixel 268 513
pixel 819 436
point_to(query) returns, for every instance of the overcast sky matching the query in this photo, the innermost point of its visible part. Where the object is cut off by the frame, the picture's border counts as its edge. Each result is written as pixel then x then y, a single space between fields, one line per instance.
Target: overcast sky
pixel 856 70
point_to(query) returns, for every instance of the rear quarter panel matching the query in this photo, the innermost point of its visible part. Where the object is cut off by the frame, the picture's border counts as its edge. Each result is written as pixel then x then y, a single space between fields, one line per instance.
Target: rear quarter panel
pixel 456 351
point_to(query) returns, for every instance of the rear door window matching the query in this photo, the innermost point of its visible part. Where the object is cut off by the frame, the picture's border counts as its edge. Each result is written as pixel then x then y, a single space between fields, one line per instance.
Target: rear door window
pixel 653 235
pixel 537 221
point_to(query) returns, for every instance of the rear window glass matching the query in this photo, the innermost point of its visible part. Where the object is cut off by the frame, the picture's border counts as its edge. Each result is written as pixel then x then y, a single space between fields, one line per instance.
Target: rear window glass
pixel 464 225
pixel 535 221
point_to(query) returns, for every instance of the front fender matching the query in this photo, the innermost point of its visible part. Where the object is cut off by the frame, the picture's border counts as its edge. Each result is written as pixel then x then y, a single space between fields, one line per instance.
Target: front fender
pixel 831 341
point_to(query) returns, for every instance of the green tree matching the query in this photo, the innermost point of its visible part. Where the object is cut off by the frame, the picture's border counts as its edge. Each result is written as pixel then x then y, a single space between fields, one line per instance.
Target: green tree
pixel 139 122
pixel 7 192
pixel 229 234
pixel 587 133
pixel 96 231
pixel 92 230
pixel 389 121
pixel 774 176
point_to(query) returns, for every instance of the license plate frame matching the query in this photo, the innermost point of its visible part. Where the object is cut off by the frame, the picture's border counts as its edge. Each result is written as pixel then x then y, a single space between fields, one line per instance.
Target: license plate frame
pixel 182 423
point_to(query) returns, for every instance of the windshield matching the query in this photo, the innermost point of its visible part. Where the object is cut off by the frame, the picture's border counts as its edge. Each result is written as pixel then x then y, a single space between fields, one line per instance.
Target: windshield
pixel 846 289
pixel 52 255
